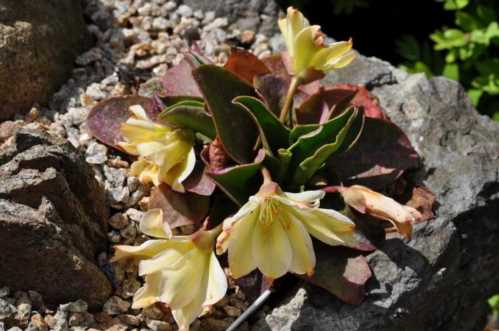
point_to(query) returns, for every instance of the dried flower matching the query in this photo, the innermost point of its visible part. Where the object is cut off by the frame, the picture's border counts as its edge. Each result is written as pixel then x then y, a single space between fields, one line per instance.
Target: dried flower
pixel 165 154
pixel 272 231
pixel 367 201
pixel 307 48
pixel 180 271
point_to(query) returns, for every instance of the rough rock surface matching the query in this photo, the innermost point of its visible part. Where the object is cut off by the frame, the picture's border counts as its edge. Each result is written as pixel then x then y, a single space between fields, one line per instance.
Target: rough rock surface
pixel 39 41
pixel 52 214
pixel 256 15
pixel 441 278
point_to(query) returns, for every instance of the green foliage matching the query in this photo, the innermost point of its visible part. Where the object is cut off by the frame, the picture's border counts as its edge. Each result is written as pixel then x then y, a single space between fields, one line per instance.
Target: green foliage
pixel 467 52
pixel 494 303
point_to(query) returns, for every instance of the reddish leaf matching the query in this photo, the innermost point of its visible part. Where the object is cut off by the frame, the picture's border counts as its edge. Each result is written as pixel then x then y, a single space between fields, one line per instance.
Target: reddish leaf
pixel 272 90
pixel 341 273
pixel 273 87
pixel 179 208
pixel 319 107
pixel 364 99
pixel 245 65
pixel 105 119
pixel 382 153
pixel 199 182
pixel 179 81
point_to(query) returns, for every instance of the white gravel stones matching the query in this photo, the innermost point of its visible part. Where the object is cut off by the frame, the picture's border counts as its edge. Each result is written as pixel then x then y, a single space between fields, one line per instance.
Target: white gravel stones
pixel 96 153
pixel 135 40
pixel 7 309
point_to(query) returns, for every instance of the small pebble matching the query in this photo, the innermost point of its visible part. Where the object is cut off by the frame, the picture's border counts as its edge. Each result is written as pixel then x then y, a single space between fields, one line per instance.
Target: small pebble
pixel 96 153
pixel 115 306
pixel 118 221
pixel 78 306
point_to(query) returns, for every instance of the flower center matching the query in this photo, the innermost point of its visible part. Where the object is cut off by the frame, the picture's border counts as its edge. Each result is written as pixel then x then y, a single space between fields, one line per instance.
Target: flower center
pixel 272 210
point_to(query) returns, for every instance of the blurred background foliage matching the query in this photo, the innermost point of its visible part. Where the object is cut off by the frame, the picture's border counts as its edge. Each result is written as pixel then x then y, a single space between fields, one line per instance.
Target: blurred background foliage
pixel 458 39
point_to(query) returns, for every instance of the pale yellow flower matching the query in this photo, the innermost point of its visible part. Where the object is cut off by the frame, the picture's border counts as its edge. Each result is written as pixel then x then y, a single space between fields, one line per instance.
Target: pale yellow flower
pixel 180 271
pixel 166 155
pixel 376 204
pixel 272 231
pixel 306 46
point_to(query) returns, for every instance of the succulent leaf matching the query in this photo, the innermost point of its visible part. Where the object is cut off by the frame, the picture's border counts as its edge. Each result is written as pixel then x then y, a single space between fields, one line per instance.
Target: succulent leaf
pixel 190 115
pixel 241 181
pixel 308 167
pixel 235 127
pixel 273 133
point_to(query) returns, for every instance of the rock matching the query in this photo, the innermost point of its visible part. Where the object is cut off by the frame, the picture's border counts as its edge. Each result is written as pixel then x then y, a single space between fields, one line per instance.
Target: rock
pixel 116 305
pixel 78 306
pixel 439 280
pixel 257 15
pixel 52 219
pixel 6 309
pixel 40 40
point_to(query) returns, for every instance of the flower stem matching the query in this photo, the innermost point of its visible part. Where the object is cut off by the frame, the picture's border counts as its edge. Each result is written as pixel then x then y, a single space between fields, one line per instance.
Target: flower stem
pixel 288 102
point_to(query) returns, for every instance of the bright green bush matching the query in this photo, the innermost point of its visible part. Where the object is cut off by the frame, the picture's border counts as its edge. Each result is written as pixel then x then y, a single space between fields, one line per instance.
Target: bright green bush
pixel 467 52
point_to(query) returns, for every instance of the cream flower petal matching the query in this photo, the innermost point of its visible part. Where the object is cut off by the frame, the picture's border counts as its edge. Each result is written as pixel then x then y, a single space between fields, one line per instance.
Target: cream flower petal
pixel 309 198
pixel 145 171
pixel 341 62
pixel 295 22
pixel 139 112
pixel 189 166
pixel 169 259
pixel 217 282
pixel 152 224
pixel 149 293
pixel 147 250
pixel 331 52
pixel 187 314
pixel 271 249
pixel 303 251
pixel 225 237
pixel 137 131
pixel 180 286
pixel 129 148
pixel 240 243
pixel 327 225
pixel 376 204
pixel 152 148
pixel 307 43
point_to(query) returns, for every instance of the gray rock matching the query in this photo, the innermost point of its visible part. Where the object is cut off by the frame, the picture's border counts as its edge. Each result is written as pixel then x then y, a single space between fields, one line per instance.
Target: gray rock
pixel 40 40
pixel 52 219
pixel 115 306
pixel 256 15
pixel 78 306
pixel 6 309
pixel 439 280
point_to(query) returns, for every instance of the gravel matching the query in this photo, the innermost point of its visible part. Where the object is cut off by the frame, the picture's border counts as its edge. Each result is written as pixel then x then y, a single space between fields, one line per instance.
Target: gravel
pixel 135 40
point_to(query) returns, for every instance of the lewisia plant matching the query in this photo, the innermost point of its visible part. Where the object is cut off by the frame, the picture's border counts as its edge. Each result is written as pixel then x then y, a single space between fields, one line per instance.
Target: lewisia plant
pixel 257 160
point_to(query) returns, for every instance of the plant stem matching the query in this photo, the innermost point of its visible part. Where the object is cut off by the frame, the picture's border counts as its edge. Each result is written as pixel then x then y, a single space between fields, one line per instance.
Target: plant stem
pixel 288 102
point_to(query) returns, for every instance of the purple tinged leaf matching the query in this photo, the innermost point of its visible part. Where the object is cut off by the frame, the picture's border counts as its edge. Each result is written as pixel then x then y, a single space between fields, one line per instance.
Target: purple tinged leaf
pixel 380 156
pixel 179 209
pixel 245 65
pixel 341 272
pixel 179 81
pixel 105 119
pixel 199 182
